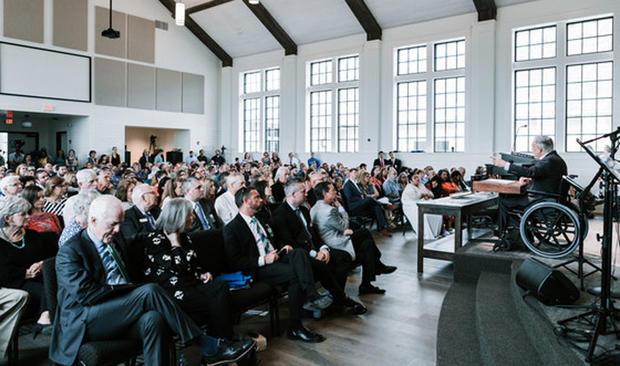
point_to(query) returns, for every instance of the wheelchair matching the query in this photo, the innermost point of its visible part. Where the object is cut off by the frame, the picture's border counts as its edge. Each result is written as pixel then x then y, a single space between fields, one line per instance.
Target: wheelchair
pixel 551 226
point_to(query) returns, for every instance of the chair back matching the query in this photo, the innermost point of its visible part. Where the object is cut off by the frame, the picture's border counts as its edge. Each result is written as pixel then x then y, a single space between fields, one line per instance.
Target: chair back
pixel 50 285
pixel 209 246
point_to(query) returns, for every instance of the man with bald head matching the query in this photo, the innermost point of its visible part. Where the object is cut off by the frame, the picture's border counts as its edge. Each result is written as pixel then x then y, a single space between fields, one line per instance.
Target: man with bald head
pixel 98 302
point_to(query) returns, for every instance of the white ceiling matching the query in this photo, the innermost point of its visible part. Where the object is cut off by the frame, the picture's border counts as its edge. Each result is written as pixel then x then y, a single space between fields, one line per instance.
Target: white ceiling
pixel 235 28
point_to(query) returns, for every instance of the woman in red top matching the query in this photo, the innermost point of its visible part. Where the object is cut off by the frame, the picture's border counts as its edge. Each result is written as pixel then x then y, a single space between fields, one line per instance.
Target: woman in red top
pixel 40 221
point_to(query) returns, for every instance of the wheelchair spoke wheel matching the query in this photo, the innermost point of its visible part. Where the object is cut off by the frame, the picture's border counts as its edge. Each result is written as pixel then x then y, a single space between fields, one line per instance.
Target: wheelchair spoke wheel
pixel 550 229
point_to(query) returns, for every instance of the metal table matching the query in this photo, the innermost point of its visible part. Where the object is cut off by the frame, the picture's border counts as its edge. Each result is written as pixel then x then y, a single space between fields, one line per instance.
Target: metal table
pixel 458 207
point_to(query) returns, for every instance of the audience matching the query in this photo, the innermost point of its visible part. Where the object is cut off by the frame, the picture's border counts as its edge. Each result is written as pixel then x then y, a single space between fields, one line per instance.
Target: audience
pixel 360 204
pixel 91 308
pixel 206 219
pixel 414 192
pixel 225 205
pixel 80 221
pixel 86 180
pixel 141 217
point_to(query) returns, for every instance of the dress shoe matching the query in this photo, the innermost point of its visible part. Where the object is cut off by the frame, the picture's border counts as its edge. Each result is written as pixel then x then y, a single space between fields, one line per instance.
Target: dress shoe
pixel 385 270
pixel 354 307
pixel 304 334
pixel 370 289
pixel 320 303
pixel 229 352
pixel 45 329
pixel 385 233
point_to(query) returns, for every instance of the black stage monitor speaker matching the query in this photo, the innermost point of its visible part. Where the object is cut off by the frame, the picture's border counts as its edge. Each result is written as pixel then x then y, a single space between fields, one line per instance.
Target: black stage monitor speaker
pixel 548 285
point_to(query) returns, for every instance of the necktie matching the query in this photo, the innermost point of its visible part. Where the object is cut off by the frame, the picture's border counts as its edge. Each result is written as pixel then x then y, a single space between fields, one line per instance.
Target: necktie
pixel 115 273
pixel 303 222
pixel 151 220
pixel 201 216
pixel 262 239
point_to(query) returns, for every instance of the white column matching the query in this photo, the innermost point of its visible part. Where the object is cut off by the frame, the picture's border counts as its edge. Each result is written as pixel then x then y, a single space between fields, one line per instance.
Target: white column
pixel 371 133
pixel 480 126
pixel 227 127
pixel 288 106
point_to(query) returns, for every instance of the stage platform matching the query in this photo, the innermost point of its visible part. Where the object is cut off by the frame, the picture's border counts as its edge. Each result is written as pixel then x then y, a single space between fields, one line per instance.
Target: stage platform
pixel 484 319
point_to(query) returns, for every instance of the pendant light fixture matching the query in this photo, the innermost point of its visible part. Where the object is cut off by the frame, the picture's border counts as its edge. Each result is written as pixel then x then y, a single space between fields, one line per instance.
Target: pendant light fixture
pixel 179 13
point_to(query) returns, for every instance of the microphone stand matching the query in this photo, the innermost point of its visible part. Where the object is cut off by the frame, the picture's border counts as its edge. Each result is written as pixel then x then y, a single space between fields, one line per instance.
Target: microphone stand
pixel 514 141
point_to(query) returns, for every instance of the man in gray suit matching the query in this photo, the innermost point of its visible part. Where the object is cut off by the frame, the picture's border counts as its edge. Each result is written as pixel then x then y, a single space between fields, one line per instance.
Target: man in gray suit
pixel 332 223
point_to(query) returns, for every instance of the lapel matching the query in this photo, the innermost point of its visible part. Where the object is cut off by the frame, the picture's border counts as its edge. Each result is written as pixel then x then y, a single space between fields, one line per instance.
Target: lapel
pixel 93 256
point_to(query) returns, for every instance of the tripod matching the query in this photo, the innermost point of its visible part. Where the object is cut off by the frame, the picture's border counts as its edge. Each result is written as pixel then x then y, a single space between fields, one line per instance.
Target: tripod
pixel 603 314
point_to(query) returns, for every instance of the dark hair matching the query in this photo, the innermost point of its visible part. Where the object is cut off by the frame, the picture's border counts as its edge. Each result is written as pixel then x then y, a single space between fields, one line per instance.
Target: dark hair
pixel 31 193
pixel 321 188
pixel 260 186
pixel 242 194
pixel 26 178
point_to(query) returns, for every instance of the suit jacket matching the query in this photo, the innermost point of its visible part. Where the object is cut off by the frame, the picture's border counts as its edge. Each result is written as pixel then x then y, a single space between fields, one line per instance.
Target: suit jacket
pixel 397 164
pixel 289 229
pixel 546 173
pixel 81 283
pixel 136 223
pixel 330 223
pixel 353 195
pixel 377 162
pixel 210 215
pixel 240 246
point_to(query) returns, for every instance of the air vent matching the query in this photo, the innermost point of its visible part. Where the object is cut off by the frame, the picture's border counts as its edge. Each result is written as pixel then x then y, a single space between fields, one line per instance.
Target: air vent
pixel 159 24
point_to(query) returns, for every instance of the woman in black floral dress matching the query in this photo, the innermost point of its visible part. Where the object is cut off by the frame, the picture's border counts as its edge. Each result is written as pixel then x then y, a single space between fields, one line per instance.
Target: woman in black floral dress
pixel 172 262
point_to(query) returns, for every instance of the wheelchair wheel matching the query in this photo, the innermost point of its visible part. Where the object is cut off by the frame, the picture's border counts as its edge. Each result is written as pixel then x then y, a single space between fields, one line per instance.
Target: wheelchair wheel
pixel 550 229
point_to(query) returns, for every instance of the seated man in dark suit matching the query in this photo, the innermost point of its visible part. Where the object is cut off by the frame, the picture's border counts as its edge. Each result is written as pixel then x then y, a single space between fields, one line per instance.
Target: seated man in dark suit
pixel 292 226
pixel 206 218
pixel 249 249
pixel 332 224
pixel 544 176
pixel 96 301
pixel 361 205
pixel 141 217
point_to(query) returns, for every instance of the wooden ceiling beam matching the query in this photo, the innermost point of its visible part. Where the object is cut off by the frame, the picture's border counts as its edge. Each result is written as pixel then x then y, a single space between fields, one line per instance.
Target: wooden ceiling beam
pixel 201 35
pixel 290 47
pixel 365 18
pixel 487 9
pixel 207 5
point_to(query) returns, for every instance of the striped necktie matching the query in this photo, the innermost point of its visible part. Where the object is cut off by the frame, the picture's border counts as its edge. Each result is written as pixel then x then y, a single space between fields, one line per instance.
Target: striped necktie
pixel 115 272
pixel 201 217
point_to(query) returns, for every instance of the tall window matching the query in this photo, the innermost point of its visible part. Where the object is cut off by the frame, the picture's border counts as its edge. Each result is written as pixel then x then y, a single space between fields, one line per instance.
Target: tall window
pixel 430 101
pixel 582 58
pixel 260 104
pixel 334 94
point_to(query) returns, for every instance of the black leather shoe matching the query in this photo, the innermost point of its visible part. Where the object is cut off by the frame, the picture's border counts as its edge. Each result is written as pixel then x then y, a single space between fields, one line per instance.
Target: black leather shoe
pixel 304 334
pixel 229 352
pixel 386 270
pixel 354 307
pixel 370 289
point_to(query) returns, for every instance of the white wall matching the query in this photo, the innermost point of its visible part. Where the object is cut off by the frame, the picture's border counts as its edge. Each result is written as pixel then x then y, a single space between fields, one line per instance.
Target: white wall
pixel 488 86
pixel 104 127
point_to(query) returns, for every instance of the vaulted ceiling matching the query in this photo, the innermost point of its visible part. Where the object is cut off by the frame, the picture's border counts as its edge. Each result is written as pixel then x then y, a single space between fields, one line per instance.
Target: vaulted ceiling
pixel 237 28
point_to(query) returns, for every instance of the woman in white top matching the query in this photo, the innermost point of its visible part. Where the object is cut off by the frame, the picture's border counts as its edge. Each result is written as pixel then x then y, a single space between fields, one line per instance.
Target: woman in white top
pixel 414 192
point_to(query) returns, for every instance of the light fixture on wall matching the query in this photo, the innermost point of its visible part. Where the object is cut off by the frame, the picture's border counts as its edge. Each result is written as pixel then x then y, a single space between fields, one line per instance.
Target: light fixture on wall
pixel 179 13
pixel 254 2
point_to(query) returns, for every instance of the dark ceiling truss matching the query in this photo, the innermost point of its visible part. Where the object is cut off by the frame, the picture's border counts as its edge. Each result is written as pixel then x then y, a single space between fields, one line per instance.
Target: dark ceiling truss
pixel 365 18
pixel 290 48
pixel 207 5
pixel 487 9
pixel 201 35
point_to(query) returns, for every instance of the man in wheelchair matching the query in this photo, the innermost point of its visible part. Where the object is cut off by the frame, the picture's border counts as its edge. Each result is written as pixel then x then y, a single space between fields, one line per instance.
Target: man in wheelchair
pixel 544 180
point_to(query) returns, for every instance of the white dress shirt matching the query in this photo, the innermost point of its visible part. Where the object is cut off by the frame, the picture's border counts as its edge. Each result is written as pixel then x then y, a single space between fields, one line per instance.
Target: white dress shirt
pixel 225 207
pixel 261 249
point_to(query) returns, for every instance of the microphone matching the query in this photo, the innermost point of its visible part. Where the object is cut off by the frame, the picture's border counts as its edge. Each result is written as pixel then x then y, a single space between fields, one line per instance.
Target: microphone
pixel 514 142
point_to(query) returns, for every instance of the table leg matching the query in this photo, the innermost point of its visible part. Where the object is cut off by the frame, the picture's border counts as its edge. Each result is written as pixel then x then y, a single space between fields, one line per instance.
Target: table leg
pixel 469 227
pixel 458 231
pixel 420 239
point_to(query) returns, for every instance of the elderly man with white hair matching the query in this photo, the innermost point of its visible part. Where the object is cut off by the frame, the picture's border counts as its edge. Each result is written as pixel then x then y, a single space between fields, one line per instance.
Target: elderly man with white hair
pixel 97 300
pixel 544 176
pixel 141 217
pixel 225 206
pixel 87 180
pixel 10 186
